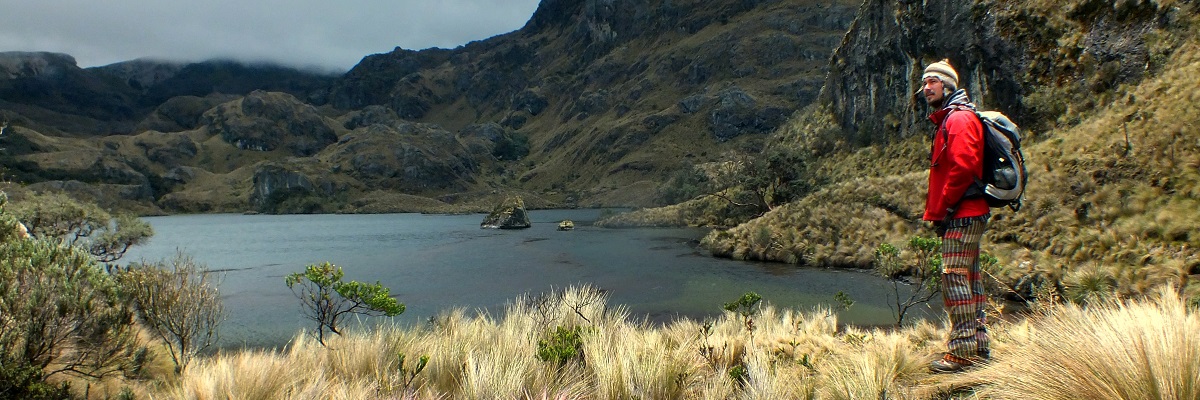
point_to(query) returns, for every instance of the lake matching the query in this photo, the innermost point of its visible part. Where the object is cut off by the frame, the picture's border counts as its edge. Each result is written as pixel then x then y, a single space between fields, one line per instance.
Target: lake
pixel 432 263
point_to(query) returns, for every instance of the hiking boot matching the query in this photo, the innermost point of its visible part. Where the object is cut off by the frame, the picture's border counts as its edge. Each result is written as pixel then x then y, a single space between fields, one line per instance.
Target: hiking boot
pixel 942 366
pixel 949 364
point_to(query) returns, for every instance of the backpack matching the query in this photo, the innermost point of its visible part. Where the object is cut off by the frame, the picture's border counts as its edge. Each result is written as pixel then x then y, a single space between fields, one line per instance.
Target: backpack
pixel 1004 174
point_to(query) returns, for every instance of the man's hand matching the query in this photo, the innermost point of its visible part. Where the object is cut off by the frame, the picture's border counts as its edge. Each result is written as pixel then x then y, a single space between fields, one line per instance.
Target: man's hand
pixel 937 227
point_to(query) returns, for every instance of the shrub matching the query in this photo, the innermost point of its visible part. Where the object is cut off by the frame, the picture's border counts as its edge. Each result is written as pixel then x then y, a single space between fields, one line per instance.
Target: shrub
pixel 60 310
pixel 562 346
pixel 1090 285
pixel 26 382
pixel 316 288
pixel 925 271
pixel 56 216
pixel 685 184
pixel 178 303
pixel 746 307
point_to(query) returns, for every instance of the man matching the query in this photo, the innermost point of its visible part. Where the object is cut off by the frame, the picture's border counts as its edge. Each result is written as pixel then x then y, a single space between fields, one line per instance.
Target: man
pixel 956 161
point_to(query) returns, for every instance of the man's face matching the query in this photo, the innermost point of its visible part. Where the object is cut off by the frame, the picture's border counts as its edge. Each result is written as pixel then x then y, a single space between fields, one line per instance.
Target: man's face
pixel 933 91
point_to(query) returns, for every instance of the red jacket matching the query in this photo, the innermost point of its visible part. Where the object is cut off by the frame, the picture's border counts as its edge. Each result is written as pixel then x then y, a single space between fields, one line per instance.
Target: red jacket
pixel 956 161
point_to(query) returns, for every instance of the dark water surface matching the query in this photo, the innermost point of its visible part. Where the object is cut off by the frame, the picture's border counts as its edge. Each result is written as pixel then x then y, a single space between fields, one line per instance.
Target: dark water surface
pixel 435 262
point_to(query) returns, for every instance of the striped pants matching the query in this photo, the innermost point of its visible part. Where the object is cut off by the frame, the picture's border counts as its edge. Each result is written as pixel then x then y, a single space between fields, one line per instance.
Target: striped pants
pixel 962 290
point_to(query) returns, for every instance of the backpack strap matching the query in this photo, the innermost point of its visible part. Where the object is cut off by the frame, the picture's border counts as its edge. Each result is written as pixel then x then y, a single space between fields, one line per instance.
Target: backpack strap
pixel 954 107
pixel 977 189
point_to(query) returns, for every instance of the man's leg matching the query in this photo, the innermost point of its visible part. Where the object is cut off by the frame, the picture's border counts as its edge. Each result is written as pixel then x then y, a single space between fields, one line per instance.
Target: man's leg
pixel 962 293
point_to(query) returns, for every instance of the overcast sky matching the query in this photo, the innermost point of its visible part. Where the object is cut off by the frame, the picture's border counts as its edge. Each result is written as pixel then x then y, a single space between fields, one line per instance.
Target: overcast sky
pixel 329 34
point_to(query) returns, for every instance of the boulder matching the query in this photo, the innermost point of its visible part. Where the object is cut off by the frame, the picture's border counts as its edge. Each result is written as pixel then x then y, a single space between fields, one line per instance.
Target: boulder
pixel 530 101
pixel 693 103
pixel 507 215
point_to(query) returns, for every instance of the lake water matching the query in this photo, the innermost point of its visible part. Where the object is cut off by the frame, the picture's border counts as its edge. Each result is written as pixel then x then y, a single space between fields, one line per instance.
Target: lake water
pixel 435 262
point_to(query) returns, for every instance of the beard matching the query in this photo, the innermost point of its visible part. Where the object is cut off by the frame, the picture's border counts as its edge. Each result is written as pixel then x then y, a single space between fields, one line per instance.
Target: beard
pixel 936 103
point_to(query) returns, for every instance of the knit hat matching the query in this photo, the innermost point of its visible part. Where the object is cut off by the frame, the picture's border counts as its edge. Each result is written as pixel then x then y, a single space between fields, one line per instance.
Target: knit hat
pixel 943 71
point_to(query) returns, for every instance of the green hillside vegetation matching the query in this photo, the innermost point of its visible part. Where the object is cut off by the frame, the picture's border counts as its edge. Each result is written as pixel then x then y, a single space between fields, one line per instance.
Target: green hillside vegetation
pixel 1114 193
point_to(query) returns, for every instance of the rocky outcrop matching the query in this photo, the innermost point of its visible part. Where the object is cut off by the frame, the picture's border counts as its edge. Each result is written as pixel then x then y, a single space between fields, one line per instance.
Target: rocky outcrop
pixel 530 101
pixel 874 73
pixel 406 156
pixel 181 113
pixel 266 121
pixel 273 183
pixel 142 74
pixel 371 115
pixel 166 148
pixel 510 214
pixel 738 113
pixel 182 174
pixel 21 64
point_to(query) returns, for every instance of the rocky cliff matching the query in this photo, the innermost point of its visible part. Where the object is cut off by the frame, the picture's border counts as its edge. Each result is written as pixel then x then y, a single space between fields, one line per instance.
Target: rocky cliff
pixel 1004 53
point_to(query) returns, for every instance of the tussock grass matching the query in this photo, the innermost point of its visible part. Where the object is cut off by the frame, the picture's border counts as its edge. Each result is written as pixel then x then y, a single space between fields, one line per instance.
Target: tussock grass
pixel 701 211
pixel 477 356
pixel 839 225
pixel 1145 349
pixel 1136 349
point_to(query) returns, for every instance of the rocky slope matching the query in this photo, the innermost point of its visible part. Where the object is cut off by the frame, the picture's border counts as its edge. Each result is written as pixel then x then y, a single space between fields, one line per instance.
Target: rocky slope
pixel 591 103
pixel 1106 92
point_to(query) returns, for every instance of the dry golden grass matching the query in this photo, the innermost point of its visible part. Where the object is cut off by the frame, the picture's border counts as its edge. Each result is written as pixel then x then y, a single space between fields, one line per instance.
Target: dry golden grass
pixel 701 211
pixel 1137 349
pixel 1145 349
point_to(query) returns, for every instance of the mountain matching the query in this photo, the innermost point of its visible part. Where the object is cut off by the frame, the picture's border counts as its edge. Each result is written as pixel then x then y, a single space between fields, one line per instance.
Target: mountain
pixel 590 103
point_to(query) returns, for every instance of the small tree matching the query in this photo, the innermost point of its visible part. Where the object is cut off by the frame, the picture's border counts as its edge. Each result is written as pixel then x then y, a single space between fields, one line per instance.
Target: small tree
pixel 925 272
pixel 326 299
pixel 177 302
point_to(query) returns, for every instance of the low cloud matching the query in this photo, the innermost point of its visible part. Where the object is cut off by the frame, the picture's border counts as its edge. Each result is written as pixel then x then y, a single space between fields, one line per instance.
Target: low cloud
pixel 303 33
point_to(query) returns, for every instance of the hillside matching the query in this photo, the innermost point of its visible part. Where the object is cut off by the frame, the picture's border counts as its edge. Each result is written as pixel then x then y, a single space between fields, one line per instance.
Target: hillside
pixel 591 103
pixel 1107 94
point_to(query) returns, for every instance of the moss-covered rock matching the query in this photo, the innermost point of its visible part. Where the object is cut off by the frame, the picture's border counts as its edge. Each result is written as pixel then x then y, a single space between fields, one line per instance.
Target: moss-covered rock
pixel 507 215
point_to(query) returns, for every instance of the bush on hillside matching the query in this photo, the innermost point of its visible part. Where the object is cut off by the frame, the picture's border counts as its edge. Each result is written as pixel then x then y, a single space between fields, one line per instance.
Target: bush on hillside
pixel 178 303
pixel 59 311
pixel 58 217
